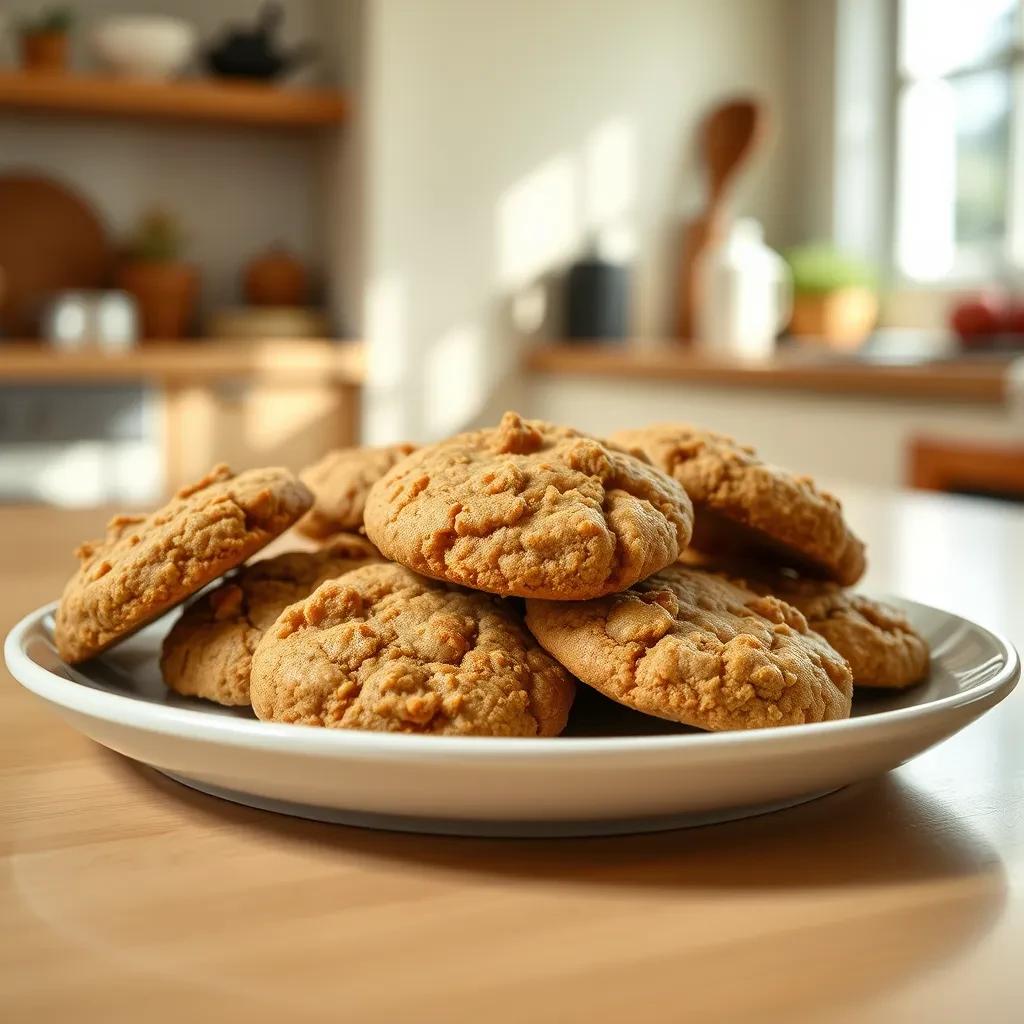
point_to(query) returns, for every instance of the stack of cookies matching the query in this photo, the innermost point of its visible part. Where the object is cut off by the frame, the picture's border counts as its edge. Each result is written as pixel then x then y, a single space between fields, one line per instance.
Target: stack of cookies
pixel 467 587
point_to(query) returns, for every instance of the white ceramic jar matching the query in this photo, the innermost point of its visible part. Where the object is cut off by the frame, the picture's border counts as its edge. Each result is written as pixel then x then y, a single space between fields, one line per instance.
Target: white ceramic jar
pixel 746 294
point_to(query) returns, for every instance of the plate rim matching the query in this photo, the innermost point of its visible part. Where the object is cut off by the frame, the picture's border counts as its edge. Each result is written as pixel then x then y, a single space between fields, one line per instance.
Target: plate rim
pixel 275 737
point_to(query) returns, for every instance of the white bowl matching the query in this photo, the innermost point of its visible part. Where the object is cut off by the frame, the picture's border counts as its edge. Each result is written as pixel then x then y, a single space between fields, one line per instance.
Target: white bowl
pixel 616 771
pixel 144 45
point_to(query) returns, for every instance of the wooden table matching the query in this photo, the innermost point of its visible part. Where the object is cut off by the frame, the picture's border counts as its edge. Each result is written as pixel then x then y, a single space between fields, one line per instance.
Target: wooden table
pixel 125 897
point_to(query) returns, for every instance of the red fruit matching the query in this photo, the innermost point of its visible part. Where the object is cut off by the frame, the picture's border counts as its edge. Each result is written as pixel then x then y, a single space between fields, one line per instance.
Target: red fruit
pixel 977 318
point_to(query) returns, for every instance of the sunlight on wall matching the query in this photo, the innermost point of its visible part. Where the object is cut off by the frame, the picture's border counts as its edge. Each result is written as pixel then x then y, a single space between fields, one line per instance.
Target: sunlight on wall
pixel 385 324
pixel 387 415
pixel 548 217
pixel 537 222
pixel 609 188
pixel 428 382
pixel 456 379
pixel 571 204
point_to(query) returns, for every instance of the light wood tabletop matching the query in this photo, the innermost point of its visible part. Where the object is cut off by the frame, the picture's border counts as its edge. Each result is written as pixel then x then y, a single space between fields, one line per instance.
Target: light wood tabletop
pixel 126 897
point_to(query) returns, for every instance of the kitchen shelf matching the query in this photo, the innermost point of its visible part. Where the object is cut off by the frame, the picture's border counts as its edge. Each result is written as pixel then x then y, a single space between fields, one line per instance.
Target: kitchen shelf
pixel 967 379
pixel 186 362
pixel 194 100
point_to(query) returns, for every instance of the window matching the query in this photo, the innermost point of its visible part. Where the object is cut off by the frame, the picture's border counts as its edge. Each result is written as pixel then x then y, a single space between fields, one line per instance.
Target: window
pixel 960 140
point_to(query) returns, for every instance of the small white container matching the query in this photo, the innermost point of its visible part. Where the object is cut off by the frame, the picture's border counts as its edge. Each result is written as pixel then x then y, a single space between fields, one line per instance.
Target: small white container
pixel 144 45
pixel 109 319
pixel 746 294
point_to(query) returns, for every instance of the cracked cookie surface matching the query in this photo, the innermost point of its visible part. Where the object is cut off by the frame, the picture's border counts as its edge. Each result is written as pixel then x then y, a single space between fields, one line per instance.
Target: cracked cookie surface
pixel 529 509
pixel 744 505
pixel 692 647
pixel 386 650
pixel 208 651
pixel 340 482
pixel 882 647
pixel 146 564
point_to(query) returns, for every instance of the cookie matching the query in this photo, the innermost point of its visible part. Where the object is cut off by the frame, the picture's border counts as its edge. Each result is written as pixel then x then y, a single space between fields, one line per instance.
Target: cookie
pixel 383 649
pixel 340 482
pixel 529 509
pixel 881 646
pixel 743 505
pixel 208 652
pixel 147 564
pixel 692 647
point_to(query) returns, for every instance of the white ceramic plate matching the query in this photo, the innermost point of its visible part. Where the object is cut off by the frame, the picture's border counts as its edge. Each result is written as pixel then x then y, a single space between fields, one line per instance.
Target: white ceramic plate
pixel 616 770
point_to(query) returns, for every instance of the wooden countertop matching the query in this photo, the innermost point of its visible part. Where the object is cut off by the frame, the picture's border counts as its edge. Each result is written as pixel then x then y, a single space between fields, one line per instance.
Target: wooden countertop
pixel 185 362
pixel 124 896
pixel 969 379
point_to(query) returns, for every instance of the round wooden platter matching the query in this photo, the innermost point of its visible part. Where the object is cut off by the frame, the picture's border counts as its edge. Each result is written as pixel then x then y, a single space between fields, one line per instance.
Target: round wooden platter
pixel 52 240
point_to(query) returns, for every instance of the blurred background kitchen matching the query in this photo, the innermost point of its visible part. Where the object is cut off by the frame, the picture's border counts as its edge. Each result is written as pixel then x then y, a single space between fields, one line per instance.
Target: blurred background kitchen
pixel 252 232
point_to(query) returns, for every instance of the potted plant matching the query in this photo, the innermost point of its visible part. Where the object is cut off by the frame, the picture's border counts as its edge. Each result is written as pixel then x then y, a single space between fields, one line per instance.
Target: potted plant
pixel 44 40
pixel 834 296
pixel 165 287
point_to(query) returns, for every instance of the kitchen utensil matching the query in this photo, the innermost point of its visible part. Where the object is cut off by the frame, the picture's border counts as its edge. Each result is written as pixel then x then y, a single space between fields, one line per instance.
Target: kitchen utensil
pixel 262 322
pixel 597 300
pixel 617 772
pixel 275 278
pixel 254 52
pixel 50 240
pixel 109 319
pixel 144 45
pixel 746 294
pixel 729 137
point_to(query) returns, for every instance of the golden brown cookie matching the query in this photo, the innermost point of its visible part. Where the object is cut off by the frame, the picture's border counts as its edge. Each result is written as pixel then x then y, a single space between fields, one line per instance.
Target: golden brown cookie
pixel 383 649
pixel 208 652
pixel 692 647
pixel 529 509
pixel 882 647
pixel 340 482
pixel 743 505
pixel 147 564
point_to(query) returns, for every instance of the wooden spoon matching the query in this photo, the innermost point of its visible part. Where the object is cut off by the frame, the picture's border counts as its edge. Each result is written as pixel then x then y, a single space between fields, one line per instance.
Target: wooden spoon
pixel 730 134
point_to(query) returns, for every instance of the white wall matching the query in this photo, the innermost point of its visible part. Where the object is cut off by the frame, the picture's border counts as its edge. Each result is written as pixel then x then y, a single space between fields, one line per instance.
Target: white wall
pixel 236 190
pixel 810 127
pixel 499 133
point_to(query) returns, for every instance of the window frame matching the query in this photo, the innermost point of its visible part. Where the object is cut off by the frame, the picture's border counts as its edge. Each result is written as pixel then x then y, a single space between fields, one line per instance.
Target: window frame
pixel 867 49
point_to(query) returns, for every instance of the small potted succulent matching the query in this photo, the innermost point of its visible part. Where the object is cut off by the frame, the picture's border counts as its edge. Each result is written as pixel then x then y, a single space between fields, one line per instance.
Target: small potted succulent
pixel 835 296
pixel 44 40
pixel 165 287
